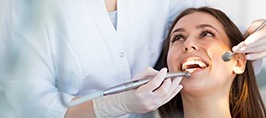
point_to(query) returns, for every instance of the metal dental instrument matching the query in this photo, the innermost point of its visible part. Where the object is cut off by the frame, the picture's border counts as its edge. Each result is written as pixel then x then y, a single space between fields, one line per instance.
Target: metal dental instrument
pixel 136 83
pixel 117 89
pixel 227 56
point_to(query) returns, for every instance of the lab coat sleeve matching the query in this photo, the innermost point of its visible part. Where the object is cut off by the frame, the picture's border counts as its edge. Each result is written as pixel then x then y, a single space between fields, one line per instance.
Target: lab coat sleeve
pixel 28 80
pixel 27 71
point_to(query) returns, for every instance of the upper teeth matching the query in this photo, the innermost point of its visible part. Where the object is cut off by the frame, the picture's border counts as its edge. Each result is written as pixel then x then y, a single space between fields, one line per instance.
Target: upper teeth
pixel 198 62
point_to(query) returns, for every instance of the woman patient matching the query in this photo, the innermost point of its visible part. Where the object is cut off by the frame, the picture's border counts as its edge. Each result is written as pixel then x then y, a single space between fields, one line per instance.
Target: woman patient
pixel 216 89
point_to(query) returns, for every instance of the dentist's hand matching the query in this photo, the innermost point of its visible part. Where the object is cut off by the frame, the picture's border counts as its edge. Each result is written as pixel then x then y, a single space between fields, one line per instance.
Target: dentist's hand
pixel 144 99
pixel 254 45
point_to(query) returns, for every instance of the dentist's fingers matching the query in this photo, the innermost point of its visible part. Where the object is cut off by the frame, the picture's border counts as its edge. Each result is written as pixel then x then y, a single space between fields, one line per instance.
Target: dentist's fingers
pixel 254 45
pixel 249 39
pixel 256 56
pixel 254 26
pixel 168 86
pixel 155 82
pixel 255 37
pixel 173 94
pixel 249 43
pixel 251 49
pixel 255 50
pixel 174 90
pixel 168 90
pixel 148 72
pixel 162 90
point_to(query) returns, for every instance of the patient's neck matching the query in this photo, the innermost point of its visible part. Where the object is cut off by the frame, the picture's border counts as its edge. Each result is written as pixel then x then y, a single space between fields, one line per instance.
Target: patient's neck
pixel 206 107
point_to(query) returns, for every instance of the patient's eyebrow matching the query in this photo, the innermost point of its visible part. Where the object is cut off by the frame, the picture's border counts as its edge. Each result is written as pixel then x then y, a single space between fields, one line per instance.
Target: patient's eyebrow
pixel 178 30
pixel 205 25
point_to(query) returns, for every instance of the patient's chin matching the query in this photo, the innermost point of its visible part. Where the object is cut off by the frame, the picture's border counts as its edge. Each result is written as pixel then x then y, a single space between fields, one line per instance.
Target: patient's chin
pixel 195 89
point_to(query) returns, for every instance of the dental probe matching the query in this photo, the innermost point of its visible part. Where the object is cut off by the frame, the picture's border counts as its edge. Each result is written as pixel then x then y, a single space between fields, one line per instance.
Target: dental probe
pixel 117 89
pixel 227 56
pixel 136 83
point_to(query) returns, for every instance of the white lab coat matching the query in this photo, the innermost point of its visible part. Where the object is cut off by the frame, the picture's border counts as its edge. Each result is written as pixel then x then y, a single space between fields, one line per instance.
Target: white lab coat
pixel 77 47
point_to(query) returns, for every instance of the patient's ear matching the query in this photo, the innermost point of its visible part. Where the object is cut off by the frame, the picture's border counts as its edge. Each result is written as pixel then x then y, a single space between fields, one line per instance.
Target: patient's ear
pixel 240 64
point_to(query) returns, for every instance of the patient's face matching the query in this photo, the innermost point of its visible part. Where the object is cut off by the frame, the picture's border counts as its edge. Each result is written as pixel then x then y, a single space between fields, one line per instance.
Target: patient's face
pixel 197 44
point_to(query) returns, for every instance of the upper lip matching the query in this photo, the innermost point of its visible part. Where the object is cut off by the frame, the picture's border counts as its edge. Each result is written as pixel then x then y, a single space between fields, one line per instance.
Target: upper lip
pixel 192 59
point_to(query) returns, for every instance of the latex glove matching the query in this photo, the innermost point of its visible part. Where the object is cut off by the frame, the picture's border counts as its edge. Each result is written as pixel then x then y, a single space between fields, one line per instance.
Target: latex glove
pixel 144 99
pixel 254 45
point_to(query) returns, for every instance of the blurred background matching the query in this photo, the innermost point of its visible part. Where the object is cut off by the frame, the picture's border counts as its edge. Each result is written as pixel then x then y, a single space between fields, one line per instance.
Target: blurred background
pixel 242 11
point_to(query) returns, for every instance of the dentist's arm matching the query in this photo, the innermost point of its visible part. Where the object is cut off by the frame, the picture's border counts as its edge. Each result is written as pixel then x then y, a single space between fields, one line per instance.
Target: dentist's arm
pixel 84 110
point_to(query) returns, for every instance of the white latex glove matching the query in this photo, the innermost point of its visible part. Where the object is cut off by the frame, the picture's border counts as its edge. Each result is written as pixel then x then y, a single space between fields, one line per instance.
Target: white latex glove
pixel 254 45
pixel 144 99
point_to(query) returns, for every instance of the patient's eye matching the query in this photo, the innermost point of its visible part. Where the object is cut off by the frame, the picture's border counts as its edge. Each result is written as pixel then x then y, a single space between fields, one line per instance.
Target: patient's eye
pixel 177 37
pixel 207 33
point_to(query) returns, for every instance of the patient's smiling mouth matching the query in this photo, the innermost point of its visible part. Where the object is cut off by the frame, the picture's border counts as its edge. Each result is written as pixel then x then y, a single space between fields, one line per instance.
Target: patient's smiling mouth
pixel 192 64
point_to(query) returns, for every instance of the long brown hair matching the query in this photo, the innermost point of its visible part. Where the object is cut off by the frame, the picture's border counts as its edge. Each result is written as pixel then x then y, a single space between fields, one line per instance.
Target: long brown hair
pixel 245 99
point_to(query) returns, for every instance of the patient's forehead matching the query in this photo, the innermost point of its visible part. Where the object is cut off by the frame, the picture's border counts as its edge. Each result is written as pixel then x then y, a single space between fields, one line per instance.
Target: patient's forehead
pixel 198 18
pixel 191 21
